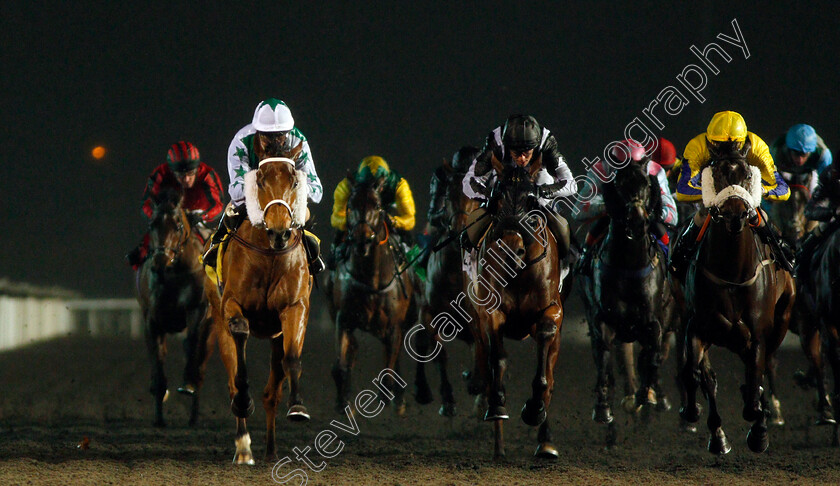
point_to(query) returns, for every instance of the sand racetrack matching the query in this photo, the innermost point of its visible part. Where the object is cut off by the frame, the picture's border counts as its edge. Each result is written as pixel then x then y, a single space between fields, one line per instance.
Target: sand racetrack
pixel 57 392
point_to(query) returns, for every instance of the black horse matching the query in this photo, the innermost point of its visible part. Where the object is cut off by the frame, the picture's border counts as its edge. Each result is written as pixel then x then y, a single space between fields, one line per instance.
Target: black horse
pixel 628 297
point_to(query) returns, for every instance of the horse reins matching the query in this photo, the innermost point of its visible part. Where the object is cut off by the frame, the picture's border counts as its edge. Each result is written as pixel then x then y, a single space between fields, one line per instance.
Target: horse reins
pixel 186 231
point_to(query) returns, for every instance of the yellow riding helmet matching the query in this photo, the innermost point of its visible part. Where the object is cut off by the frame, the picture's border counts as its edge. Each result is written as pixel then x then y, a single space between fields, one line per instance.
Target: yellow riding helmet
pixel 376 164
pixel 727 126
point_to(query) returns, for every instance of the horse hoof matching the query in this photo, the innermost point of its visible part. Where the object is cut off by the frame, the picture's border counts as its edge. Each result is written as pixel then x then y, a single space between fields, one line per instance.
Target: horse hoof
pixel 718 444
pixel 546 450
pixel 690 414
pixel 646 399
pixel 663 404
pixel 497 412
pixel 776 417
pixel 826 417
pixel 423 394
pixel 447 410
pixel 602 414
pixel 297 413
pixel 687 427
pixel 533 414
pixel 757 439
pixel 399 407
pixel 165 397
pixel 243 453
pixel 628 404
pixel 241 410
pixel 187 389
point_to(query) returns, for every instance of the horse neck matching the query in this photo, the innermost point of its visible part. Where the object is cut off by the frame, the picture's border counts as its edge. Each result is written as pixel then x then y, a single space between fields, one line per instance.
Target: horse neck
pixel 731 257
pixel 374 269
pixel 623 251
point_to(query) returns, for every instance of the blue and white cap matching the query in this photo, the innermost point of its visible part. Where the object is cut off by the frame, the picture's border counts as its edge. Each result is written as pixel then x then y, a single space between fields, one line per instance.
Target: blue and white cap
pixel 272 115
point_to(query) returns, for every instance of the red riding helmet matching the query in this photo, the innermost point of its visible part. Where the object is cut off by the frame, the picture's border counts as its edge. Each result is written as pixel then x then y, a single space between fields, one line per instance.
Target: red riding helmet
pixel 665 153
pixel 183 157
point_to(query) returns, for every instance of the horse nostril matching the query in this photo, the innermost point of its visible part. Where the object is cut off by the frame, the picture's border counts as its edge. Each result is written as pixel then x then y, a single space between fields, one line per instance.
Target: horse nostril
pixel 520 252
pixel 286 235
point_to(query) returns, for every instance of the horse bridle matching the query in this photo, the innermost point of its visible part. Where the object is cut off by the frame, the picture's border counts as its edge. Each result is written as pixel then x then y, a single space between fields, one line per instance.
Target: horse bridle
pixel 280 202
pixel 185 230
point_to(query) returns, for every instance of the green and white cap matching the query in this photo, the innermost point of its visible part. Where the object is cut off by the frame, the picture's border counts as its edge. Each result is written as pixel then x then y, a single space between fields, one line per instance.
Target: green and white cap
pixel 272 115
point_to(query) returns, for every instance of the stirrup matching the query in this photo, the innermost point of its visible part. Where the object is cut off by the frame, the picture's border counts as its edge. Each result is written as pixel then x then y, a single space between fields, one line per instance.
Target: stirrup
pixel 209 257
pixel 317 266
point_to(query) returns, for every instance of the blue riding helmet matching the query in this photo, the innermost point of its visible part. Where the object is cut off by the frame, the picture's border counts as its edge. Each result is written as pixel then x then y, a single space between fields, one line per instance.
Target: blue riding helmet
pixel 802 138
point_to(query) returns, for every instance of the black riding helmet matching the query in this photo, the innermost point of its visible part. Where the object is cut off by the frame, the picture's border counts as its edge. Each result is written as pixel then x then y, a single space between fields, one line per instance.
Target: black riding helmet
pixel 521 132
pixel 462 159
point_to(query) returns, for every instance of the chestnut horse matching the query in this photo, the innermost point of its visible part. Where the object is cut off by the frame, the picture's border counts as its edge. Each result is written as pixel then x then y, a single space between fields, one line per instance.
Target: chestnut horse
pixel 265 293
pixel 736 297
pixel 171 298
pixel 446 282
pixel 629 298
pixel 516 294
pixel 368 291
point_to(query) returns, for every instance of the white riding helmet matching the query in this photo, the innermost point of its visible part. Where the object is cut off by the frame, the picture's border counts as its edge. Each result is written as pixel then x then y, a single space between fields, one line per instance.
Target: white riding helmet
pixel 272 115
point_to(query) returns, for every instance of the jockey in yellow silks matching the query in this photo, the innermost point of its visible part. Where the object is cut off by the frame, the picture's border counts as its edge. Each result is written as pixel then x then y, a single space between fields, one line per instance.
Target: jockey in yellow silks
pixel 728 127
pixel 396 199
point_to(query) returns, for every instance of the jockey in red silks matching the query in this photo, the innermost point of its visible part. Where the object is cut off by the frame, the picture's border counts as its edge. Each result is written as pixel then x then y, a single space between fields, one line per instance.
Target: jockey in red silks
pixel 201 186
pixel 594 211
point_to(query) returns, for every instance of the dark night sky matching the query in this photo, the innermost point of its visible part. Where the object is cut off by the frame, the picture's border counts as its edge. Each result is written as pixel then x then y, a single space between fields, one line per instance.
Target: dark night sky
pixel 408 81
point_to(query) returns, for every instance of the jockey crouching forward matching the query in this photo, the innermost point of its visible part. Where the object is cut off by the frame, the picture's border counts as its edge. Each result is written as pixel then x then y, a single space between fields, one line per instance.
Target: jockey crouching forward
pixel 728 127
pixel 519 142
pixel 594 210
pixel 202 188
pixel 396 198
pixel 273 130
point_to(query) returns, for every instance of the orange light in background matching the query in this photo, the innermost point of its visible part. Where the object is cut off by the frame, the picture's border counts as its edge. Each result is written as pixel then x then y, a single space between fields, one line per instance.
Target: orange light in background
pixel 98 152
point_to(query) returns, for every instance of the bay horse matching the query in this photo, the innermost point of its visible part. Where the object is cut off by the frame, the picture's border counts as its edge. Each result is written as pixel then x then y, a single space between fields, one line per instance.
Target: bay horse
pixel 446 282
pixel 823 294
pixel 736 296
pixel 628 298
pixel 171 298
pixel 368 291
pixel 264 292
pixel 515 290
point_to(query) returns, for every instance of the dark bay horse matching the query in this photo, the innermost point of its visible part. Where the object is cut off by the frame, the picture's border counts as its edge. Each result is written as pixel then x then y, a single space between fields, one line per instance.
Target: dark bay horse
pixel 823 294
pixel 736 296
pixel 171 298
pixel 444 284
pixel 628 298
pixel 265 293
pixel 368 291
pixel 516 294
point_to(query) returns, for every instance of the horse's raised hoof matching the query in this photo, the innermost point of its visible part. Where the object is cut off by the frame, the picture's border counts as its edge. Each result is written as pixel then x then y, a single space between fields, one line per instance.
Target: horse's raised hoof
pixel 187 389
pixel 628 404
pixel 687 427
pixel 758 439
pixel 495 412
pixel 533 413
pixel 423 394
pixel 718 443
pixel 239 409
pixel 602 414
pixel 826 416
pixel 776 417
pixel 690 414
pixel 243 455
pixel 297 413
pixel 447 410
pixel 546 450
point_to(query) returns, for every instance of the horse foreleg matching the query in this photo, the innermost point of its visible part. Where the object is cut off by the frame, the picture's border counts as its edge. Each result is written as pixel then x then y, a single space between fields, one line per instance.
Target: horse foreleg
pixel 650 360
pixel 832 345
pixel 690 373
pixel 718 443
pixel 601 339
pixel 546 448
pixel 271 396
pixel 197 348
pixel 243 453
pixel 533 413
pixel 447 408
pixel 393 345
pixel 156 346
pixel 422 391
pixel 811 342
pixel 293 321
pixel 496 410
pixel 756 361
pixel 342 370
pixel 775 405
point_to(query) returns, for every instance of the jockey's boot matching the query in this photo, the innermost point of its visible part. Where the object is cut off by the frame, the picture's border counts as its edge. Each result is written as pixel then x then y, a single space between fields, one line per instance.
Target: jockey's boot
pixel 135 256
pixel 584 264
pixel 684 249
pixel 559 227
pixel 806 250
pixel 313 253
pixel 231 219
pixel 781 250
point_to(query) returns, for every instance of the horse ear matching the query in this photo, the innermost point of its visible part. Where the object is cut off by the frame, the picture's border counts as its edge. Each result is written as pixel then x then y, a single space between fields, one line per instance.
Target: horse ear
pixel 714 153
pixel 497 166
pixel 746 148
pixel 380 183
pixel 535 165
pixel 351 178
pixel 447 166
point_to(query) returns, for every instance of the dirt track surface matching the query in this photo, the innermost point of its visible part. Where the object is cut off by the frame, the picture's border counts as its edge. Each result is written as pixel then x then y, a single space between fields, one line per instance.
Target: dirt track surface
pixel 56 393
